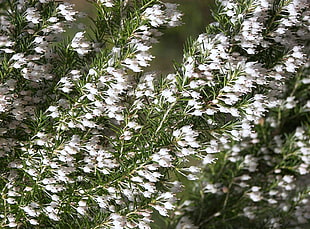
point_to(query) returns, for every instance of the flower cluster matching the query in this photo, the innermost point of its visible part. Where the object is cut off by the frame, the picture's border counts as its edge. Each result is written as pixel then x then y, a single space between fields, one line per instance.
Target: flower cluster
pixel 258 178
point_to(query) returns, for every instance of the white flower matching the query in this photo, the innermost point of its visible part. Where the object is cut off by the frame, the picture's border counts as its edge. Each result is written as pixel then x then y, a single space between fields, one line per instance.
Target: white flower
pixel 32 15
pixel 79 44
pixel 163 158
pixel 288 179
pixel 81 210
pixel 107 3
pixel 208 159
pixel 290 102
pixel 30 211
pixel 132 64
pixel 33 222
pixel 127 135
pixel 53 216
pixel 67 11
pixel 210 188
pixel 161 210
pixel 12 224
pixel 168 94
pixel 255 196
pixel 137 179
pixel 155 15
pixel 11 201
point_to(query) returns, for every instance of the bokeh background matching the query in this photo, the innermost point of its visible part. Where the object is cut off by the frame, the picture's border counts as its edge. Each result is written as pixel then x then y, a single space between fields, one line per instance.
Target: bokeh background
pixel 196 16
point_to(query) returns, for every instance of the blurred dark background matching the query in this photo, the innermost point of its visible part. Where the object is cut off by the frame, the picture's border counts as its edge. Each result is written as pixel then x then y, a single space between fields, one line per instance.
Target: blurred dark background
pixel 196 16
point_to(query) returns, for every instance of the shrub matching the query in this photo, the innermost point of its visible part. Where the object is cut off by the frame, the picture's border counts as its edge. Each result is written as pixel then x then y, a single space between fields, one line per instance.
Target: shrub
pixel 89 139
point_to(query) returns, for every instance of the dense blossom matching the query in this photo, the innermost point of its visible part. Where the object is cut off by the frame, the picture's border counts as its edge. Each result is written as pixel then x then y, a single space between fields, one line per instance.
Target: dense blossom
pixel 87 137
